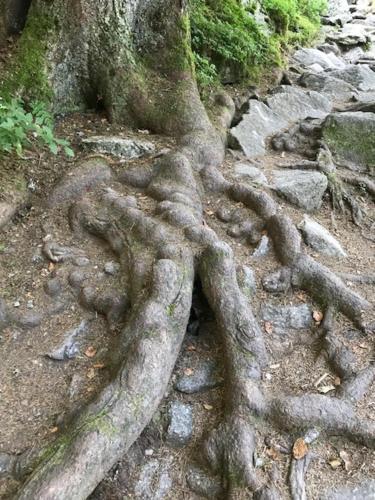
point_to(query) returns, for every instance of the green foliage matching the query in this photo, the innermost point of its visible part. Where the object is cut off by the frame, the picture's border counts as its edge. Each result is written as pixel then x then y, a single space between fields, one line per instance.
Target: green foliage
pixel 20 128
pixel 295 20
pixel 226 35
pixel 223 33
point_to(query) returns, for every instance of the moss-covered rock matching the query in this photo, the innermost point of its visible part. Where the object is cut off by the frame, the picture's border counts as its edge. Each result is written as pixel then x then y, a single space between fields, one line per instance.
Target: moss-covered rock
pixel 350 137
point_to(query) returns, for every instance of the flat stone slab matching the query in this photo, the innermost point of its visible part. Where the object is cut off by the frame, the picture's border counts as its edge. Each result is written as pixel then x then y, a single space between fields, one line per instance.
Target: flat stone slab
pixel 360 76
pixel 320 239
pixel 308 57
pixel 256 125
pixel 249 173
pixel 351 138
pixel 154 480
pixel 284 318
pixel 335 89
pixel 294 104
pixel 180 428
pixel 118 146
pixel 206 376
pixel 300 187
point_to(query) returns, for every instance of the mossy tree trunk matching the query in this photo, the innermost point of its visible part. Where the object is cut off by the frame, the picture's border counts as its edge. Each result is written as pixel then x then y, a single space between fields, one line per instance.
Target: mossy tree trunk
pixel 132 57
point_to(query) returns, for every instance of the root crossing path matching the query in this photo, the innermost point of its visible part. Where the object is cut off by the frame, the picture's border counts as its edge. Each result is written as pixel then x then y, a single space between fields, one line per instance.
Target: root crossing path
pixel 198 321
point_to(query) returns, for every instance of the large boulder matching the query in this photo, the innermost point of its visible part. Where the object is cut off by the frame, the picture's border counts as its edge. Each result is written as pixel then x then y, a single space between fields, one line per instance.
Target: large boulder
pixel 361 77
pixel 300 187
pixel 310 57
pixel 256 125
pixel 350 137
pixel 335 89
pixel 293 103
pixel 351 35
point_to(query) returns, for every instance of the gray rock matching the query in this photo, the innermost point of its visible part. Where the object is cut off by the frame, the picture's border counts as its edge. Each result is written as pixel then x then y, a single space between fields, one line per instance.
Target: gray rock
pixel 363 491
pixel 180 428
pixel 246 280
pixel 80 180
pixel 70 347
pixel 360 76
pixel 284 318
pixel 248 172
pixel 81 261
pixel 256 125
pixel 336 7
pixel 301 138
pixel 350 138
pixel 294 104
pixel 263 248
pixel 154 481
pixel 118 146
pixel 111 268
pixel 308 57
pixel 351 34
pixel 206 376
pixel 337 90
pixel 203 484
pixel 320 239
pixel 302 188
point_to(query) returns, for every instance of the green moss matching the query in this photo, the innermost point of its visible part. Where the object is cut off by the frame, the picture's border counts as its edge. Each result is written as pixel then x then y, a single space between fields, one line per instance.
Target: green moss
pixel 227 39
pixel 27 74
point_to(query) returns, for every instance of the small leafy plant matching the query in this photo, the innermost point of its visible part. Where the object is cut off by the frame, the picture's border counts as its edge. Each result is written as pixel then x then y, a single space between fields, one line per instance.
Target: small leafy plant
pixel 21 127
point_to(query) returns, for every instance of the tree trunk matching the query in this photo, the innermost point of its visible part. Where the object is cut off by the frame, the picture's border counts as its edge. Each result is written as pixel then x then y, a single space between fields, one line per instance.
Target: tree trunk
pixel 13 15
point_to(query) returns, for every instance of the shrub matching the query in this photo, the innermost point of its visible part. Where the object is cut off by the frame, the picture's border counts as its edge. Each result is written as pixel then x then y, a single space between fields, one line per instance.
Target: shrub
pixel 20 127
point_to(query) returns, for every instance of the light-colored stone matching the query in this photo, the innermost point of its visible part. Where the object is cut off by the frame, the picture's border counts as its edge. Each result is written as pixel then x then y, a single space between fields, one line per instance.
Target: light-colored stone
pixel 256 125
pixel 307 57
pixel 302 188
pixel 180 428
pixel 320 239
pixel 335 89
pixel 294 104
pixel 118 146
pixel 248 172
pixel 360 76
pixel 284 318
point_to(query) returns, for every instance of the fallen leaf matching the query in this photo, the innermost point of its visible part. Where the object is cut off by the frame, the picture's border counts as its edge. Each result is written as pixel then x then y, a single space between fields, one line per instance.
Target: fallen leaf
pixel 344 455
pixel 99 366
pixel 302 296
pixel 300 449
pixel 54 430
pixel 188 372
pixel 51 267
pixel 337 381
pixel 326 388
pixel 318 316
pixel 335 463
pixel 268 327
pixel 91 373
pixel 208 407
pixel 191 348
pixel 90 352
pixel 272 453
